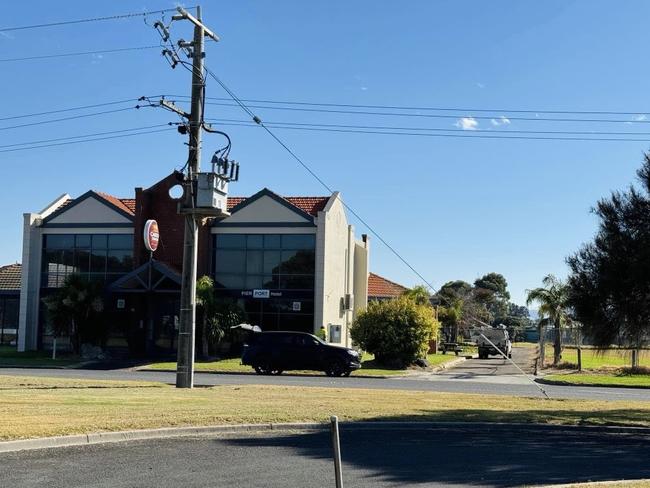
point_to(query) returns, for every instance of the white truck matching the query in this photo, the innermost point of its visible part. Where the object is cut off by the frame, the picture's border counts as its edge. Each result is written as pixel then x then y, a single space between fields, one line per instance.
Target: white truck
pixel 497 336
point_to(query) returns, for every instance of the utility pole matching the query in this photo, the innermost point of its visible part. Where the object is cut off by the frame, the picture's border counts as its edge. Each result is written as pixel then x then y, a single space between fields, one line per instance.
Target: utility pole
pixel 204 194
pixel 187 327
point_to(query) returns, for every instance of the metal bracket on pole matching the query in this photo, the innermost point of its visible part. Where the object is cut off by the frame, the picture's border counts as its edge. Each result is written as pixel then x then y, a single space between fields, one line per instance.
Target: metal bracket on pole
pixel 184 14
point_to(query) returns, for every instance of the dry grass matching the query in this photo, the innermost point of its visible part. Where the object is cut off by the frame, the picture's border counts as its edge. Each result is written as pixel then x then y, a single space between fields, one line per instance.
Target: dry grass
pixel 605 484
pixel 36 407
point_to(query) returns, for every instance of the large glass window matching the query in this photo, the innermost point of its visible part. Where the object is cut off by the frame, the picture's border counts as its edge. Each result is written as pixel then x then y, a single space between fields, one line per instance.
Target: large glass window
pixel 271 261
pixel 103 257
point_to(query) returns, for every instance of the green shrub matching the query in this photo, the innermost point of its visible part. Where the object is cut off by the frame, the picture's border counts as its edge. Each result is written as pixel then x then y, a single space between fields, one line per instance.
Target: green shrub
pixel 396 331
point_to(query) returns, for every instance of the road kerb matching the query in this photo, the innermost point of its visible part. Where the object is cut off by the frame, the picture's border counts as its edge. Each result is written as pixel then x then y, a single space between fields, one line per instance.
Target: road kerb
pixel 173 432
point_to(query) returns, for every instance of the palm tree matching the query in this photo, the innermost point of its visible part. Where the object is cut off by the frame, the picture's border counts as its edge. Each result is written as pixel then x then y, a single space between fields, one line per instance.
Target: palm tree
pixel 205 299
pixel 75 309
pixel 419 294
pixel 553 309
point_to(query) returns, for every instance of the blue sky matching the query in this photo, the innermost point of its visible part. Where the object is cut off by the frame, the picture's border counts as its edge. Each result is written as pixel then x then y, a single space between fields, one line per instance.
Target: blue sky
pixel 455 208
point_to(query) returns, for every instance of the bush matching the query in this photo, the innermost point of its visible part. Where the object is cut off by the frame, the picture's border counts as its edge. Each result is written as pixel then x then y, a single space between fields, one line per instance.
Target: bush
pixel 397 331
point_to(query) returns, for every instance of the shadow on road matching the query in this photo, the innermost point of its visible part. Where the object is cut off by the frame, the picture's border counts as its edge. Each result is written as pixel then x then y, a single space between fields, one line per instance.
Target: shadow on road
pixel 495 455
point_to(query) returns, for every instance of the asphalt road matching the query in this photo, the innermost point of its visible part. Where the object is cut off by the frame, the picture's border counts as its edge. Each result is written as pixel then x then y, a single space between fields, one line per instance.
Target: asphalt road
pixel 489 376
pixel 496 456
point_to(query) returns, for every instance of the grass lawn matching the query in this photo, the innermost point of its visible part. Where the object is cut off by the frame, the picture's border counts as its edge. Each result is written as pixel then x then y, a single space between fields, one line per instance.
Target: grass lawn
pixel 9 356
pixel 35 407
pixel 368 366
pixel 614 379
pixel 594 359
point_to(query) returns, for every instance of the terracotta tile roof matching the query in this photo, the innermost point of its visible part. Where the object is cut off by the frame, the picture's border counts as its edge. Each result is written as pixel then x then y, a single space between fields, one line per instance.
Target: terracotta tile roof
pixel 10 277
pixel 311 205
pixel 119 202
pixel 381 287
pixel 126 204
pixel 129 203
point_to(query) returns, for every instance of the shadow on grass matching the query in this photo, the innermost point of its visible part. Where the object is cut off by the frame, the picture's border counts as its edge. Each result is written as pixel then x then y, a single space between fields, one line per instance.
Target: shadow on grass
pixel 495 455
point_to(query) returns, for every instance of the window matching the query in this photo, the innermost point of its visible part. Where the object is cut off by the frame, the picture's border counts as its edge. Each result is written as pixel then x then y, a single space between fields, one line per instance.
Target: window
pixel 102 257
pixel 270 261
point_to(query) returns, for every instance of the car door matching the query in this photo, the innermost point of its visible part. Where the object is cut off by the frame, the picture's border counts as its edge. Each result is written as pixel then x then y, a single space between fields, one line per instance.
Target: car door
pixel 307 351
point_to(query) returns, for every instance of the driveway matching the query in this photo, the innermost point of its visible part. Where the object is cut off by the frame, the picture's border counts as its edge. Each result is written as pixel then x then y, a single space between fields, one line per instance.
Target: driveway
pixel 494 370
pixel 462 456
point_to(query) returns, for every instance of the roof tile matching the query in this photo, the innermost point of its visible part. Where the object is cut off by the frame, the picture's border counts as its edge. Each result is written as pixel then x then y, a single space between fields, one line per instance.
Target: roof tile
pixel 381 287
pixel 311 205
pixel 10 277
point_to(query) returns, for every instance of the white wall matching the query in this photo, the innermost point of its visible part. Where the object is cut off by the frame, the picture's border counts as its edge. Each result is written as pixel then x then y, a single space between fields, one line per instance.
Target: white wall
pixel 92 211
pixel 265 209
pixel 331 267
pixel 361 268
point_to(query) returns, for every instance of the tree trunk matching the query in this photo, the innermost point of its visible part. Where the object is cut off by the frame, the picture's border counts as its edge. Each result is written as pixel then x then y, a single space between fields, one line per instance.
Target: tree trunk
pixel 54 348
pixel 557 346
pixel 204 338
pixel 542 347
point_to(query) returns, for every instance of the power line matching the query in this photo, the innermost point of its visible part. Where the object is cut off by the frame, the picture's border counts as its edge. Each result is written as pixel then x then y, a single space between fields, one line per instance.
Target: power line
pixel 93 19
pixel 279 124
pixel 467 134
pixel 30 143
pixel 258 121
pixel 86 140
pixel 72 117
pixel 434 116
pixel 83 53
pixel 71 109
pixel 429 108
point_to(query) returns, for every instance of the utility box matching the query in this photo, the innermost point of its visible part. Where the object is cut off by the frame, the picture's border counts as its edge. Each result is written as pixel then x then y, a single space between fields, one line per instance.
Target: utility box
pixel 212 192
pixel 335 333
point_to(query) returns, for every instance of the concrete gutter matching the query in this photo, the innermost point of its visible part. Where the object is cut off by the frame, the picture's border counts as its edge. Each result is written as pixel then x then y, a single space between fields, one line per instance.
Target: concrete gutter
pixel 595 484
pixel 544 381
pixel 173 432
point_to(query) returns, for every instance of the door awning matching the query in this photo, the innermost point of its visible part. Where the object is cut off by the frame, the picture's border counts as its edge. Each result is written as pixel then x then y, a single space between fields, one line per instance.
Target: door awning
pixel 153 276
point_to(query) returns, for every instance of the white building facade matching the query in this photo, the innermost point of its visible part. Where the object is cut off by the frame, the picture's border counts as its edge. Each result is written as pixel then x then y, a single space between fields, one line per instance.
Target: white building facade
pixel 291 263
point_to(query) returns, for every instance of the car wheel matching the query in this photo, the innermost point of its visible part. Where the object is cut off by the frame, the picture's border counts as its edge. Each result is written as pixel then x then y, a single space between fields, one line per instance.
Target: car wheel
pixel 275 372
pixel 347 373
pixel 264 369
pixel 337 368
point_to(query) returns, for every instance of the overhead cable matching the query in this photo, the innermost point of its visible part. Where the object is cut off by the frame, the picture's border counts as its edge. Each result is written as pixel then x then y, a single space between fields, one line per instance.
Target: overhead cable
pixel 82 53
pixel 92 19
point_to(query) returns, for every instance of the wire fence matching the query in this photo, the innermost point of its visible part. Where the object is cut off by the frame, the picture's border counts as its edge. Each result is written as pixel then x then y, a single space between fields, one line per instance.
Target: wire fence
pixel 577 352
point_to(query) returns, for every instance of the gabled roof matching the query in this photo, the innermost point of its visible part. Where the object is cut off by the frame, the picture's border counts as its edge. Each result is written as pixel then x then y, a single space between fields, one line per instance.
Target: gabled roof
pixel 125 206
pixel 10 277
pixel 379 286
pixel 308 205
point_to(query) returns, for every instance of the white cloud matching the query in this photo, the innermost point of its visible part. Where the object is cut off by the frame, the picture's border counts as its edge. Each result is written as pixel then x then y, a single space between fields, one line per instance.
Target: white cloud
pixel 467 123
pixel 500 121
pixel 640 117
pixel 480 85
pixel 364 88
pixel 7 36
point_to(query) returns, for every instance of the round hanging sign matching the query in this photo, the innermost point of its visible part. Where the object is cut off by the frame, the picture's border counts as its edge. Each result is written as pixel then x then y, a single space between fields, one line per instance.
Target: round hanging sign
pixel 151 235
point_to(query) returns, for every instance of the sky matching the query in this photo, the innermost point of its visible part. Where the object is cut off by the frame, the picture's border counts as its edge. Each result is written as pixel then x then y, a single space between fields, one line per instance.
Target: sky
pixel 453 207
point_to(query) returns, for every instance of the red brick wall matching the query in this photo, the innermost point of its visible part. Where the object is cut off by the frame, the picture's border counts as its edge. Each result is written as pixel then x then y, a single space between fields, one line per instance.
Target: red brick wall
pixel 155 203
